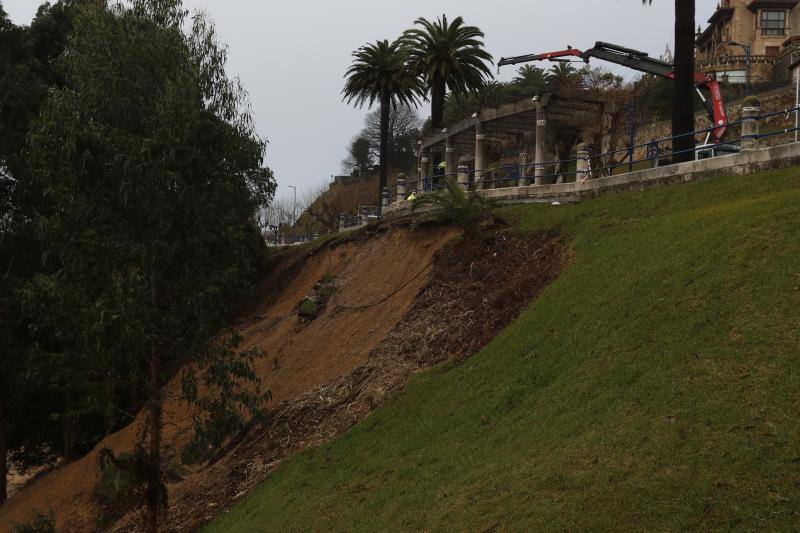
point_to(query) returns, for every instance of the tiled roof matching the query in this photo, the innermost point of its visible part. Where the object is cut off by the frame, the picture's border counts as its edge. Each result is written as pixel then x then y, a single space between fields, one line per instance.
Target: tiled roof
pixel 720 15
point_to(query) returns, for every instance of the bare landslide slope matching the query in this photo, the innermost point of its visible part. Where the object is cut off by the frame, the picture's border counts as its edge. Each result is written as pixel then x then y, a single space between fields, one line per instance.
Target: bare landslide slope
pixel 477 288
pixel 299 358
pixel 404 300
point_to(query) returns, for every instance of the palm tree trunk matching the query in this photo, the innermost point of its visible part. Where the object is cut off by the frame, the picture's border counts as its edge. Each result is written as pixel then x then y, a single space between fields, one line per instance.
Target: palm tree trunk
pixel 386 105
pixel 683 95
pixel 437 102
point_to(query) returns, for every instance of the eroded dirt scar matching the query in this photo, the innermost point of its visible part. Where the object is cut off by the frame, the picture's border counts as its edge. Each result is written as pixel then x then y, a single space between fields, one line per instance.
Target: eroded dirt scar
pixel 476 287
pixel 404 299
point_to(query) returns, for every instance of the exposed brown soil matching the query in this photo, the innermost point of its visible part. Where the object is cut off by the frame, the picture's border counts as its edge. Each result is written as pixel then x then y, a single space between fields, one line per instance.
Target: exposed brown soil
pixel 479 287
pixel 299 359
pixel 404 301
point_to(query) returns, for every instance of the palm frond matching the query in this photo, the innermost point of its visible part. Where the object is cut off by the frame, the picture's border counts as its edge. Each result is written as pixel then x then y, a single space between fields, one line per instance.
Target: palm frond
pixel 447 50
pixel 453 205
pixel 380 70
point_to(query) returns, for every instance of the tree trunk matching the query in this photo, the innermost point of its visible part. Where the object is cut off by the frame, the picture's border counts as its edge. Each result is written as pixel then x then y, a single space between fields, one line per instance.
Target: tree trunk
pixel 386 105
pixel 68 429
pixel 155 487
pixel 3 457
pixel 437 102
pixel 683 95
pixel 153 431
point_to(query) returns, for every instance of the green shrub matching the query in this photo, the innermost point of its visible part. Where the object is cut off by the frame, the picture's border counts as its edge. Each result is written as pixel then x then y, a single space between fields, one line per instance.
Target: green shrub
pixel 455 206
pixel 41 523
pixel 121 484
pixel 309 310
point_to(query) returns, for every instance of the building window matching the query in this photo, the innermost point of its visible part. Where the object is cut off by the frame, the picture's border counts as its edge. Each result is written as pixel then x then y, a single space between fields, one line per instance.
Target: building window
pixel 773 22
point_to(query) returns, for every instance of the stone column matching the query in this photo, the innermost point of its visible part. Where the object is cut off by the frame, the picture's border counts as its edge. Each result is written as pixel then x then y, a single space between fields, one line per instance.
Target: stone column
pixel 522 179
pixel 450 163
pixel 384 197
pixel 480 156
pixel 541 144
pixel 341 222
pixel 750 129
pixel 420 154
pixel 582 163
pixel 401 188
pixel 463 175
pixel 424 171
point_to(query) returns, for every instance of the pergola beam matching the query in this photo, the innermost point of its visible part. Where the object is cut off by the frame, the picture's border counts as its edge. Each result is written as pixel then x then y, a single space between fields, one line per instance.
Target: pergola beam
pixel 535 121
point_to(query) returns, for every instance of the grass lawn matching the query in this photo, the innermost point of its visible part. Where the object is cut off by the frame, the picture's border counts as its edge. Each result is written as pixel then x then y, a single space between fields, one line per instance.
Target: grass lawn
pixel 654 386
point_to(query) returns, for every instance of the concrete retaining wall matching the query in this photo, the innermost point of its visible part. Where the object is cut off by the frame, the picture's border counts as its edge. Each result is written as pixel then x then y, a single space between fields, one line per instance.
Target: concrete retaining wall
pixel 745 162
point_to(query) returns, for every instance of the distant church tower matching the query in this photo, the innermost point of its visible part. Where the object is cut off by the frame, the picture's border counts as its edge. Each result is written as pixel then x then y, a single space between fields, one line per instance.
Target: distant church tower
pixel 668 57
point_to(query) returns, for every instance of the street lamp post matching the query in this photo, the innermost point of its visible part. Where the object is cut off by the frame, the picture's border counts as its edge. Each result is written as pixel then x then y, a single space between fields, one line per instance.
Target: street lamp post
pixel 294 214
pixel 747 48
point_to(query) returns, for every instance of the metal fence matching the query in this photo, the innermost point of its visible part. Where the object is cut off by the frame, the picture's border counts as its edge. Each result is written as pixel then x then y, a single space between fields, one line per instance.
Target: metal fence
pixel 363 216
pixel 585 166
pixel 292 240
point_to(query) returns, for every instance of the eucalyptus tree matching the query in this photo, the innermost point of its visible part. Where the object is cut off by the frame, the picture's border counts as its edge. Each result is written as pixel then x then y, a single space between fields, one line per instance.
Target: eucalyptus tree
pixel 447 55
pixel 683 88
pixel 380 73
pixel 29 409
pixel 149 156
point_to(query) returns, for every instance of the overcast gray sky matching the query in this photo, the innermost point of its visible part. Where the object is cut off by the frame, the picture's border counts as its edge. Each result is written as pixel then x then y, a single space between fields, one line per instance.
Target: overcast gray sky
pixel 291 55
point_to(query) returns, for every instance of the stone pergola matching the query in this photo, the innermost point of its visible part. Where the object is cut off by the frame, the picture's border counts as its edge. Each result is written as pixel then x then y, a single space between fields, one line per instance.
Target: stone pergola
pixel 531 123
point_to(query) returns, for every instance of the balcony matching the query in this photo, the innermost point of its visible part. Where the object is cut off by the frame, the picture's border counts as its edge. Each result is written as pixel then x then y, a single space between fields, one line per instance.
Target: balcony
pixel 755 5
pixel 733 61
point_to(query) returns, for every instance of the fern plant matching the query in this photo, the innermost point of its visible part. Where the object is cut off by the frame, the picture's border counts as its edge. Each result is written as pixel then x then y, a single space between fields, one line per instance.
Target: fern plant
pixel 454 205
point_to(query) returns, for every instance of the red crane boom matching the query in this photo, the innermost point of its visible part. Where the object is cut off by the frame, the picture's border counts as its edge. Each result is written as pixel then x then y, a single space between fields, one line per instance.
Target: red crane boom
pixel 640 61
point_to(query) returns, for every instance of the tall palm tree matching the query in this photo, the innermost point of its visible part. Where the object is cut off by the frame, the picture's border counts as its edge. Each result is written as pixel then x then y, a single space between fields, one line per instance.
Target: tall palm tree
pixel 530 80
pixel 447 55
pixel 683 90
pixel 563 77
pixel 380 73
pixel 459 106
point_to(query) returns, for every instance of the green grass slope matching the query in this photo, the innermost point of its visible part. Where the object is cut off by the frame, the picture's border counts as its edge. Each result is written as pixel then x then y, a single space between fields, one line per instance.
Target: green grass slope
pixel 654 386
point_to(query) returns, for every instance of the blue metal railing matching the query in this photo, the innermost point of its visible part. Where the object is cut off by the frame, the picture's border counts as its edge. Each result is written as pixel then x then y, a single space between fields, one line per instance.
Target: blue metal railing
pixel 656 151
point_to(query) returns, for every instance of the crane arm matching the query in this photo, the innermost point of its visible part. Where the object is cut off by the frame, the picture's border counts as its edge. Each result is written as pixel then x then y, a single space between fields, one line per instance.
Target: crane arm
pixel 642 62
pixel 569 52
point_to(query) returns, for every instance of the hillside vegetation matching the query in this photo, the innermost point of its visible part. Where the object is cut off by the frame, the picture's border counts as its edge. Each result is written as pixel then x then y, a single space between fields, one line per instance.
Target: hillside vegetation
pixel 653 386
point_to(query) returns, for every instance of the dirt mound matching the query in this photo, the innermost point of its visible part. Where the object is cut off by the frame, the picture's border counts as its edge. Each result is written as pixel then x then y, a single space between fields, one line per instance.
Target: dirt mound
pixel 300 357
pixel 478 287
